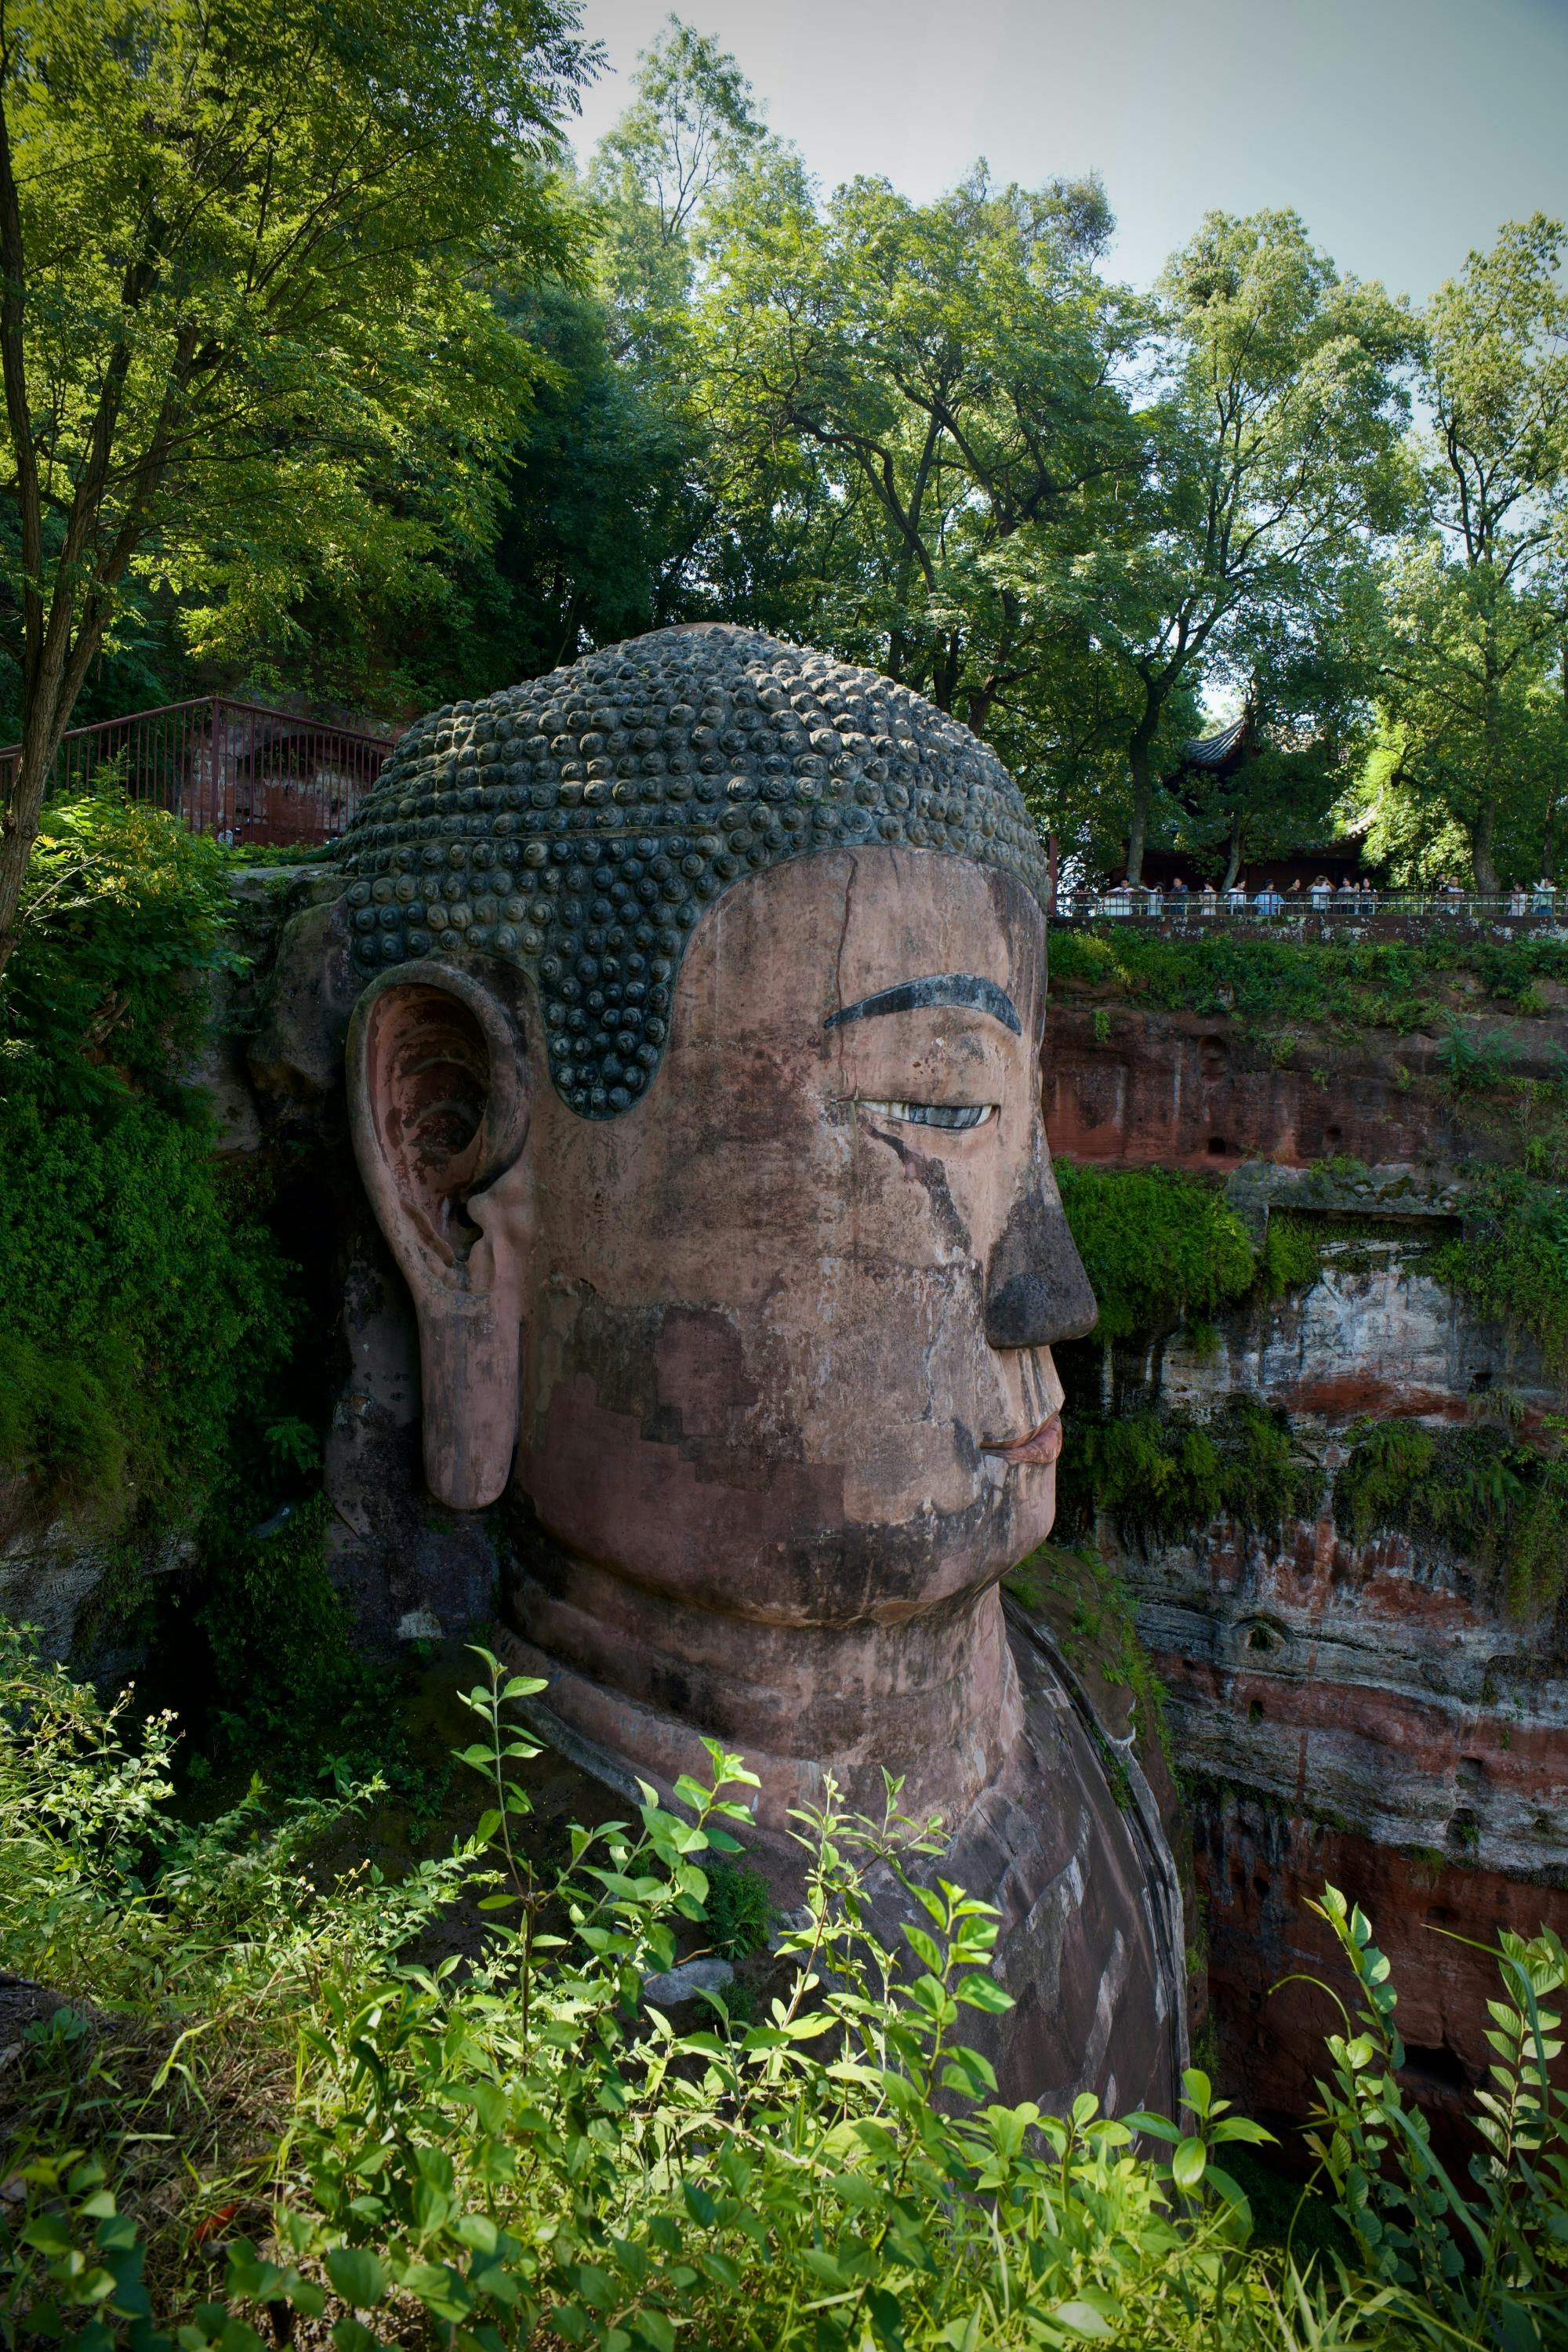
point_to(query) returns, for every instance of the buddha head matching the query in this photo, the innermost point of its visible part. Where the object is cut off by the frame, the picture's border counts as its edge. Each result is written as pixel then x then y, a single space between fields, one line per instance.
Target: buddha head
pixel 696 1085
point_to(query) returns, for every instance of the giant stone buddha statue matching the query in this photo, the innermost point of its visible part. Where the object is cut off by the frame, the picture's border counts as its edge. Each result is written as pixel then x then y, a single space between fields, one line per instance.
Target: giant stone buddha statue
pixel 696 1083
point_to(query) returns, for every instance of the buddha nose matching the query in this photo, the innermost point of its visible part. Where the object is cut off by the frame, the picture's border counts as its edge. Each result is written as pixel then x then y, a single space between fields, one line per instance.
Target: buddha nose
pixel 1037 1291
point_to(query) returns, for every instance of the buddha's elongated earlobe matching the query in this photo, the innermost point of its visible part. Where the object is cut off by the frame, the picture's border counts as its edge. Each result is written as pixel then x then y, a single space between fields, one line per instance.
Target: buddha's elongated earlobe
pixel 439 1110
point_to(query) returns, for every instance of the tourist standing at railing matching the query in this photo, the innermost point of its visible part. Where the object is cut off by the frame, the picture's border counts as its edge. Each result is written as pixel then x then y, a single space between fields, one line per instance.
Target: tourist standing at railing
pixel 1268 901
pixel 1518 899
pixel 1235 899
pixel 1323 893
pixel 1208 899
pixel 1181 898
pixel 1345 898
pixel 1545 898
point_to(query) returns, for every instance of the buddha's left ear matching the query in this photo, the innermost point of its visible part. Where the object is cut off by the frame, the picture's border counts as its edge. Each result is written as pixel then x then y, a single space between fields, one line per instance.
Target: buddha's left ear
pixel 438 1106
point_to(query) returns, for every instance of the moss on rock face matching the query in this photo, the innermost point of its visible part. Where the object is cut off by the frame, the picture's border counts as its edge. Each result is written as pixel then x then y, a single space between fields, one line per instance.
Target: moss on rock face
pixel 1486 1492
pixel 1156 1245
pixel 1160 1474
pixel 156 1355
pixel 1383 984
pixel 1513 1261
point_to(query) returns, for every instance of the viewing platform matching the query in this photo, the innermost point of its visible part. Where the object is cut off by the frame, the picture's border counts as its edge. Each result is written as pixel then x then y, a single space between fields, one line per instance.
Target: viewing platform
pixel 1342 916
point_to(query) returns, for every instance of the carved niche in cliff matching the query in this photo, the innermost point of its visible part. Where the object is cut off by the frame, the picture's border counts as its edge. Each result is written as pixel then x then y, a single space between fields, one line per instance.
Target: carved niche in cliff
pixel 695 1082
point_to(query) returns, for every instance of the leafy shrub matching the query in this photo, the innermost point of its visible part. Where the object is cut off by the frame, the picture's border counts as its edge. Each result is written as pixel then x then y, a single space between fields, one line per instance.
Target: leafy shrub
pixel 132 1297
pixel 513 2152
pixel 122 907
pixel 1155 1244
pixel 1480 1490
pixel 1513 1262
pixel 1487 2269
pixel 138 1308
pixel 1385 984
pixel 106 1894
pixel 1160 1474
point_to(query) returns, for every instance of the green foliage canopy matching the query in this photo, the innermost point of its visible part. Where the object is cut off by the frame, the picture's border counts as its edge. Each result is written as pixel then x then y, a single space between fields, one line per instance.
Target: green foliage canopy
pixel 240 335
pixel 1271 446
pixel 1474 730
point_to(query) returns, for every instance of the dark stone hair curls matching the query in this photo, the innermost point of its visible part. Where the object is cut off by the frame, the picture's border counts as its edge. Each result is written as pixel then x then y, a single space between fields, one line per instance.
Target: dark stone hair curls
pixel 577 826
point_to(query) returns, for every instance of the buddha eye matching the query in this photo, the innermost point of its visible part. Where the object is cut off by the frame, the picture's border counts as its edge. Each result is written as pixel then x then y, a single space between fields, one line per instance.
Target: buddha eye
pixel 918 1114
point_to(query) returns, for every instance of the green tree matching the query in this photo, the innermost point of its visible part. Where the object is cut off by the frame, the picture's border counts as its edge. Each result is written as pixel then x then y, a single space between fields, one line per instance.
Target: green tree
pixel 1271 443
pixel 1473 746
pixel 593 512
pixel 1308 715
pixel 691 129
pixel 237 304
pixel 908 392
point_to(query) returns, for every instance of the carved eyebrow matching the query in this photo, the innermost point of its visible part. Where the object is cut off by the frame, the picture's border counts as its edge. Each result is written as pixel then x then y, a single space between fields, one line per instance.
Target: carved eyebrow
pixel 941 988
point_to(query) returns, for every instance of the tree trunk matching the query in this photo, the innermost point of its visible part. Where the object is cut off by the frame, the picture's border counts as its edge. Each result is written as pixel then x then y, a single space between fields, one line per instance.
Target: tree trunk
pixel 1142 771
pixel 1233 867
pixel 19 830
pixel 1555 798
pixel 1483 833
pixel 1483 839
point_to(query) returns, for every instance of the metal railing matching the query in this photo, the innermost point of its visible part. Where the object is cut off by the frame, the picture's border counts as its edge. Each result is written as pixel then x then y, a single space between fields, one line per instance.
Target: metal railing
pixel 1350 905
pixel 249 775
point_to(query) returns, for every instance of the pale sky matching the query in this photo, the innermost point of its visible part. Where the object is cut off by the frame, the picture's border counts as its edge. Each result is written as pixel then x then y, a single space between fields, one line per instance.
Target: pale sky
pixel 1404 131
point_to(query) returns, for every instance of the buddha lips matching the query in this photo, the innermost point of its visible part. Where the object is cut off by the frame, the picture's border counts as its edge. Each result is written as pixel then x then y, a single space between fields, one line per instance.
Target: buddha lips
pixel 1035 1450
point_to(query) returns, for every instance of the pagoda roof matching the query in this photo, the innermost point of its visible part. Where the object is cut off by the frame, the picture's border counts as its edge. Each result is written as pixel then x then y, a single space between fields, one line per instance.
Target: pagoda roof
pixel 1215 751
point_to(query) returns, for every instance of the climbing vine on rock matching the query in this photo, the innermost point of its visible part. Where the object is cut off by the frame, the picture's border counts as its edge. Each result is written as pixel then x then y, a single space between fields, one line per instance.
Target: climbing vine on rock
pixel 1160 1474
pixel 1484 1491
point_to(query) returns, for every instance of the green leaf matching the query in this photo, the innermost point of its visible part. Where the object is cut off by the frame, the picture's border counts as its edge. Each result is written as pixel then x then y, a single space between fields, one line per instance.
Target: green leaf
pixel 1188 2162
pixel 699 2204
pixel 357 2277
pixel 983 1992
pixel 354 2336
pixel 652 2328
pixel 1157 2126
pixel 1083 2319
pixel 1198 2089
pixel 926 1948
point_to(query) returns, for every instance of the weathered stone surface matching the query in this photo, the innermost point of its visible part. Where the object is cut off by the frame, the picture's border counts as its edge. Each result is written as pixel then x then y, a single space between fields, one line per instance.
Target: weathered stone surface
pixel 1196 1090
pixel 1373 1335
pixel 1365 1686
pixel 743 1317
pixel 1369 1714
pixel 297 1046
pixel 1263 1867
